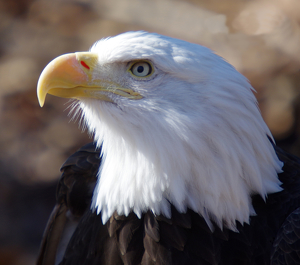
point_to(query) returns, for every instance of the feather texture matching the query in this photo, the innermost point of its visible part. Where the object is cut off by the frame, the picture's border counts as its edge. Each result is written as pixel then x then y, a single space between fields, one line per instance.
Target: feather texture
pixel 196 137
pixel 187 173
pixel 187 238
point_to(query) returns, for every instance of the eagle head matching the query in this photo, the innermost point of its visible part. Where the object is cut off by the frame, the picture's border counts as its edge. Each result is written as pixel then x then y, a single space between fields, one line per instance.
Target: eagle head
pixel 177 124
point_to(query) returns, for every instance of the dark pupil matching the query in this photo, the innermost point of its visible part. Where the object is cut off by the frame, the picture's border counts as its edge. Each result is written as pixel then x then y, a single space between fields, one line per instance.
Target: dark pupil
pixel 140 69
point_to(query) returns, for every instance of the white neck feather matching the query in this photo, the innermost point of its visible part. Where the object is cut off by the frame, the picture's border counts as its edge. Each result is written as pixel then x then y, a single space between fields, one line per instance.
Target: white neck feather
pixel 211 164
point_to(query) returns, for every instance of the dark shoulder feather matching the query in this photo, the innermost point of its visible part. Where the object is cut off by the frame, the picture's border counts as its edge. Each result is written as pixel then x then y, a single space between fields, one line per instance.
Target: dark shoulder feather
pixel 78 179
pixel 74 193
pixel 286 247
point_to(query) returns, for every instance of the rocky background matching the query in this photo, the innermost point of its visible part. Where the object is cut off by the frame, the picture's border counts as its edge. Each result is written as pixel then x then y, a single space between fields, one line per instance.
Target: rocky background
pixel 260 38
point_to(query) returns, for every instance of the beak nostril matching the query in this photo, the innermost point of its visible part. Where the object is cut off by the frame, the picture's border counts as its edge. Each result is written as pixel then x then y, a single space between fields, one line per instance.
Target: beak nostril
pixel 85 65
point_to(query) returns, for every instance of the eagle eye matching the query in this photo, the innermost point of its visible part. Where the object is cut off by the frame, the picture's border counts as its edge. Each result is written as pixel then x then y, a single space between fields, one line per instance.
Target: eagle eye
pixel 141 69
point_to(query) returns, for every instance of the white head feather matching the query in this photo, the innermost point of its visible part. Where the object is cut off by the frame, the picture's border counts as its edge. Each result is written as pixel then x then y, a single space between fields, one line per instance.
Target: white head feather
pixel 196 139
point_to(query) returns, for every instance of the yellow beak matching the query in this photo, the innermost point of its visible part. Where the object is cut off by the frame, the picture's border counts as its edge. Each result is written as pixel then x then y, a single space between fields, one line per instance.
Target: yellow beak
pixel 72 76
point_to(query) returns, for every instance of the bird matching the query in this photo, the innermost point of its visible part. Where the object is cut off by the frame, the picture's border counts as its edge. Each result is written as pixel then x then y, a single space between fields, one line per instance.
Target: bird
pixel 182 170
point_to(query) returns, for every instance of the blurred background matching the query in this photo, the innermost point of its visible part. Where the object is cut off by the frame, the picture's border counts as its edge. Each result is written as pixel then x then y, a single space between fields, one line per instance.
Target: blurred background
pixel 260 38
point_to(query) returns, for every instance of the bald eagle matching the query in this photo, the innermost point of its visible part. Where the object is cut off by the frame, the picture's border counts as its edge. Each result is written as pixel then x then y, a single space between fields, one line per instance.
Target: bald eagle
pixel 183 169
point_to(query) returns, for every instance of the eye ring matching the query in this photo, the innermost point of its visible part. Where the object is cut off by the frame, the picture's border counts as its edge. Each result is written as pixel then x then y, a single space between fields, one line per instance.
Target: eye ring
pixel 141 69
